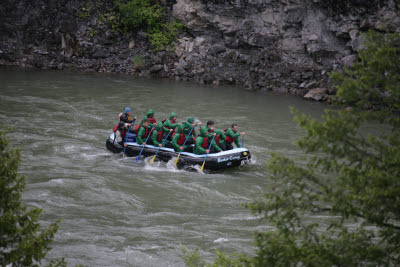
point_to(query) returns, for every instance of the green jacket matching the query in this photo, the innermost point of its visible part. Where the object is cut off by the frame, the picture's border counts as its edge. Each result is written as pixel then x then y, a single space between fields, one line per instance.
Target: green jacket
pixel 139 137
pixel 232 134
pixel 150 112
pixel 221 134
pixel 199 141
pixel 188 126
pixel 154 134
pixel 168 123
pixel 176 138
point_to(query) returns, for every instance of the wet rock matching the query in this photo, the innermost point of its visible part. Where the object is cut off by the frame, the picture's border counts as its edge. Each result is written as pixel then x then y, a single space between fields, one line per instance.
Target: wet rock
pixel 349 60
pixel 156 68
pixel 131 44
pixel 317 94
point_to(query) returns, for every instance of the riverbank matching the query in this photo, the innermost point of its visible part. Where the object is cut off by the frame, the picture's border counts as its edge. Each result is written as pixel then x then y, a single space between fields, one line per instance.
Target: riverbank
pixel 272 45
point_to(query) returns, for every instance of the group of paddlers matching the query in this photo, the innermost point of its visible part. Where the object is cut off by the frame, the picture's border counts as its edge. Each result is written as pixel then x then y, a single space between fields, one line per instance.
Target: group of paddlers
pixel 181 137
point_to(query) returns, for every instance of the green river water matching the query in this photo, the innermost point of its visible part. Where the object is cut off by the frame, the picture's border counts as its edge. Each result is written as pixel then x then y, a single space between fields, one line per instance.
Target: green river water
pixel 116 212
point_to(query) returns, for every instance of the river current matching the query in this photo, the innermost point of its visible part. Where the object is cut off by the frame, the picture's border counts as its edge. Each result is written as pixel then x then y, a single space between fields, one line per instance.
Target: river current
pixel 116 212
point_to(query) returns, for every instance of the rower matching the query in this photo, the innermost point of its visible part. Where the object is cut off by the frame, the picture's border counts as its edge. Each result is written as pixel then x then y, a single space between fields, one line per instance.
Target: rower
pixel 142 131
pixel 150 116
pixel 188 126
pixel 126 116
pixel 219 134
pixel 202 143
pixel 178 140
pixel 120 133
pixel 157 135
pixel 232 135
pixel 170 124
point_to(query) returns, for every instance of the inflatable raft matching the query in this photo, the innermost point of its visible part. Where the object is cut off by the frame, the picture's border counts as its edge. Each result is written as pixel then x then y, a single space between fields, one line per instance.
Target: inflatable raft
pixel 216 161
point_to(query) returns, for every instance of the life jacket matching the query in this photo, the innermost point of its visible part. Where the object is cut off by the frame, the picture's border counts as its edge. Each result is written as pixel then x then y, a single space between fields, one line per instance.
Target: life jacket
pixel 205 142
pixel 230 139
pixel 217 137
pixel 123 133
pixel 160 136
pixel 120 116
pixel 151 120
pixel 146 133
pixel 167 126
pixel 181 140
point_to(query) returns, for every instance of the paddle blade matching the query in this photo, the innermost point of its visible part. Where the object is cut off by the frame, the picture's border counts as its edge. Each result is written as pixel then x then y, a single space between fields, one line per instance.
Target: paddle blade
pixel 137 158
pixel 153 159
pixel 176 161
pixel 123 156
pixel 202 166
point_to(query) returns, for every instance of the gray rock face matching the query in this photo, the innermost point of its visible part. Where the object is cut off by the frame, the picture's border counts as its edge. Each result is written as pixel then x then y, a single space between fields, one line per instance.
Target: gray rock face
pixel 317 94
pixel 284 46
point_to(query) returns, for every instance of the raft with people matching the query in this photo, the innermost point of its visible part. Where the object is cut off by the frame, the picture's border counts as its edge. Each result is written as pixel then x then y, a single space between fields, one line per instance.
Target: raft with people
pixel 212 149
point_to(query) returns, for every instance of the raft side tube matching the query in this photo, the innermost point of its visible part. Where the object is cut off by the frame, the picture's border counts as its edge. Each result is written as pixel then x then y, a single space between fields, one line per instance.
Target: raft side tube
pixel 216 161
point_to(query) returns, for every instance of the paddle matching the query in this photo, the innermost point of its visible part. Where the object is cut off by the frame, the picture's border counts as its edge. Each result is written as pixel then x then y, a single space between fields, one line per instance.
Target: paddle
pixel 152 160
pixel 176 161
pixel 138 157
pixel 126 141
pixel 204 162
pixel 242 140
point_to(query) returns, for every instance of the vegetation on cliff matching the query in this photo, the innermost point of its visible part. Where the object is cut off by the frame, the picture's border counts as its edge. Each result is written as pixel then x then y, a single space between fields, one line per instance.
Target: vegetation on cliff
pixel 351 176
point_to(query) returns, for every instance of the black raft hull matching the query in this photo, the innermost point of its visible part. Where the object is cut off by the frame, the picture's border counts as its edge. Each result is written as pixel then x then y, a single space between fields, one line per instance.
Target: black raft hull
pixel 218 161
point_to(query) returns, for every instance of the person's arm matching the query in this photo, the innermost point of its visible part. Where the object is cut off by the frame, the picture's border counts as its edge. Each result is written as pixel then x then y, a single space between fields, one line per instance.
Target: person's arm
pixel 154 136
pixel 175 141
pixel 216 147
pixel 222 136
pixel 139 138
pixel 199 141
pixel 237 142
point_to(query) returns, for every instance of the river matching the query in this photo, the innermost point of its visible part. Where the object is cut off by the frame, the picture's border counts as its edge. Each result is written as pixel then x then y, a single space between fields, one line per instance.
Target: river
pixel 116 212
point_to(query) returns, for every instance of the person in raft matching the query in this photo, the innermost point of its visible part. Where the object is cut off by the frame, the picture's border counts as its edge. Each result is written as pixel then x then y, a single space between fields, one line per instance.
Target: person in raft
pixel 150 116
pixel 188 126
pixel 178 140
pixel 170 124
pixel 142 131
pixel 157 135
pixel 219 134
pixel 126 116
pixel 232 135
pixel 202 143
pixel 120 131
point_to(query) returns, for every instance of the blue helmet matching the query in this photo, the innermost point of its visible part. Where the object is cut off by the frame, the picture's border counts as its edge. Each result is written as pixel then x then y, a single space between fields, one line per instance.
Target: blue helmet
pixel 127 110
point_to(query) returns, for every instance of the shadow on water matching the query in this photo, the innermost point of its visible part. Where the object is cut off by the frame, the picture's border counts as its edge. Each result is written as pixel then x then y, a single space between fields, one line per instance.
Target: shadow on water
pixel 114 211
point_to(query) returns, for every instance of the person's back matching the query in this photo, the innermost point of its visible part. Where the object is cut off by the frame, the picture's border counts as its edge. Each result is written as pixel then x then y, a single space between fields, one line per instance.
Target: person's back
pixel 202 143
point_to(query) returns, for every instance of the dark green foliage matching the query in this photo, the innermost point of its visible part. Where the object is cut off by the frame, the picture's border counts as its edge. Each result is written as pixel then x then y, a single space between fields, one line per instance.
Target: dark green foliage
pixel 341 207
pixel 22 241
pixel 137 14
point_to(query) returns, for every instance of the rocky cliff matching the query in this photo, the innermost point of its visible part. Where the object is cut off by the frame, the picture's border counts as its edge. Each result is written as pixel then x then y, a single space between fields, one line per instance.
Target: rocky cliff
pixel 287 46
